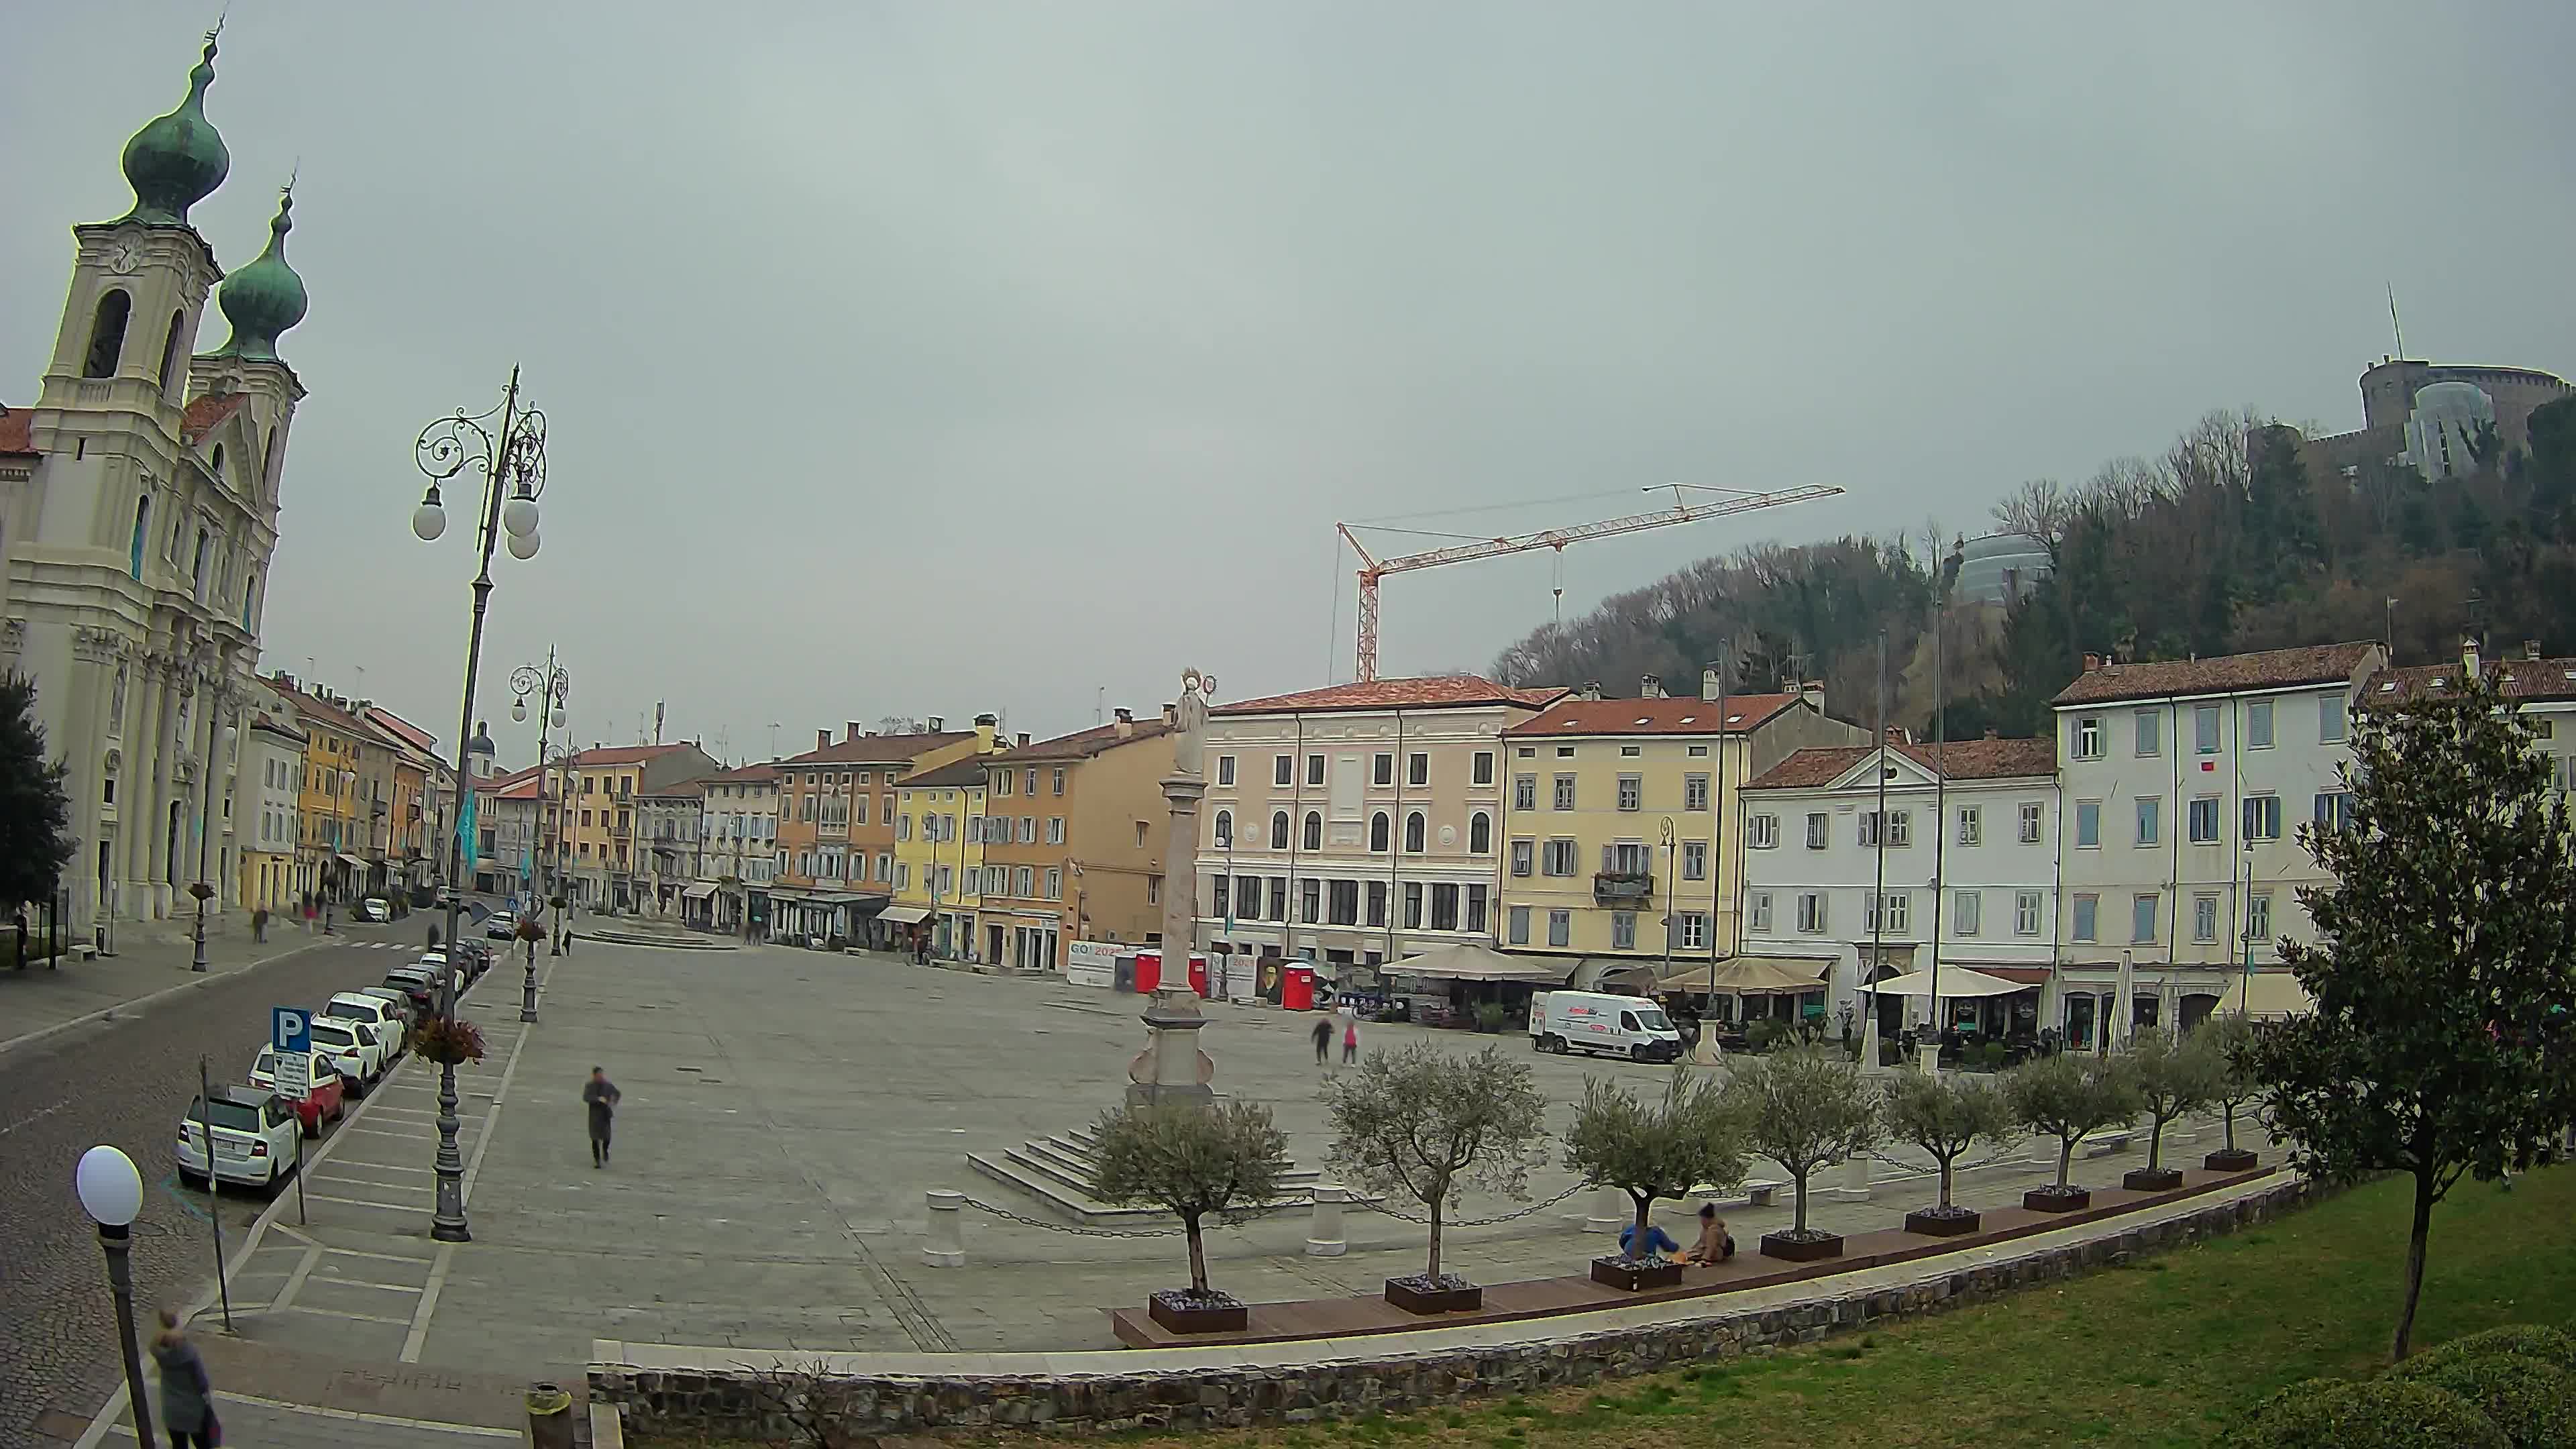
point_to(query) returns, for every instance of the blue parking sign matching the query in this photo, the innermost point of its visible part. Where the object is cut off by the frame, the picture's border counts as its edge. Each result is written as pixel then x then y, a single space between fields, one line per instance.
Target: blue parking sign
pixel 290 1029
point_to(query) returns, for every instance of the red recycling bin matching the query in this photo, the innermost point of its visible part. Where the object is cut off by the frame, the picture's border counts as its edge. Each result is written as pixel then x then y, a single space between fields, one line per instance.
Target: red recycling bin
pixel 1149 972
pixel 1297 988
pixel 1198 974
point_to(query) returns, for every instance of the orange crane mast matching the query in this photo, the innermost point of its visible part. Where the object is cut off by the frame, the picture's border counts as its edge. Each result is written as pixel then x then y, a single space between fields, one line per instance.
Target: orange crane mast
pixel 1372 568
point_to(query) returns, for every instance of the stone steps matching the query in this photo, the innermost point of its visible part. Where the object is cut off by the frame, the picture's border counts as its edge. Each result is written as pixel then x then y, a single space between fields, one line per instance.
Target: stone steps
pixel 1057 1171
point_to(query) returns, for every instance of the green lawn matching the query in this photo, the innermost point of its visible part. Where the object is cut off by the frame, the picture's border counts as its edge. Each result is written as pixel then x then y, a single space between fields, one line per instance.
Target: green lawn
pixel 2162 1352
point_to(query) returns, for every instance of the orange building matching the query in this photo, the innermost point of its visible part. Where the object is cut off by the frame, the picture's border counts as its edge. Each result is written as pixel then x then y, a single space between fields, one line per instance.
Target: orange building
pixel 836 828
pixel 1075 832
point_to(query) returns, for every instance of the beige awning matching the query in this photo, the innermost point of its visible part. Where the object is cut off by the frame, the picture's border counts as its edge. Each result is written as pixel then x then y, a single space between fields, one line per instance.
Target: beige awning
pixel 699 892
pixel 1955 981
pixel 1469 962
pixel 904 915
pixel 1750 976
pixel 2266 994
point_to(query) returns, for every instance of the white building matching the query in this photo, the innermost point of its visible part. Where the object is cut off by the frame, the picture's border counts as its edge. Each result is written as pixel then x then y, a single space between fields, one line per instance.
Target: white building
pixel 669 832
pixel 138 512
pixel 272 773
pixel 2184 784
pixel 1295 783
pixel 740 858
pixel 1964 870
pixel 2541 690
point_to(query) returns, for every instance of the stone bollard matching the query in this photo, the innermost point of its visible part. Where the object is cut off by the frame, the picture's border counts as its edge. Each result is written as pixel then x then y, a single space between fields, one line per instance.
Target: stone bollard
pixel 1854 1186
pixel 945 1244
pixel 549 1416
pixel 1611 1211
pixel 1325 1237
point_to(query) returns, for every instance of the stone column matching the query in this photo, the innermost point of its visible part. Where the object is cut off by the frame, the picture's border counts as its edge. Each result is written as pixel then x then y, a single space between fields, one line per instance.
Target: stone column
pixel 1172 1069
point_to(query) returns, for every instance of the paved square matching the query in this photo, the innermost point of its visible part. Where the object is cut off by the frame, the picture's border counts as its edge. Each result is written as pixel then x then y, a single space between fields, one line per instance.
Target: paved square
pixel 784 1112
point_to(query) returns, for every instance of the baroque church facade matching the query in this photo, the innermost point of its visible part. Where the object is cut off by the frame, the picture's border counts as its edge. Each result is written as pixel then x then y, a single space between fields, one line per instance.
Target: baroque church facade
pixel 138 517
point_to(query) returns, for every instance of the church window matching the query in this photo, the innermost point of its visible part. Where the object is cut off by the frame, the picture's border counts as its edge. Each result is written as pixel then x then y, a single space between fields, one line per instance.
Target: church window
pixel 170 352
pixel 197 575
pixel 218 468
pixel 107 333
pixel 250 593
pixel 142 515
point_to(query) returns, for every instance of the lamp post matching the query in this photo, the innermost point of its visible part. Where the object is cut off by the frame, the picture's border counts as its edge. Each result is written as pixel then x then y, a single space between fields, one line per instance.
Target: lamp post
pixel 111 1192
pixel 513 463
pixel 551 686
pixel 1672 907
pixel 217 742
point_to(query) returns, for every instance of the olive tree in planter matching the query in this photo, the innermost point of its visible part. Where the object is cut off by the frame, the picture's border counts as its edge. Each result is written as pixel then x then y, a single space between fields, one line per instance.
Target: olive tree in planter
pixel 1946 1116
pixel 1694 1138
pixel 1197 1163
pixel 1806 1107
pixel 2229 1039
pixel 1430 1125
pixel 2172 1075
pixel 2069 1097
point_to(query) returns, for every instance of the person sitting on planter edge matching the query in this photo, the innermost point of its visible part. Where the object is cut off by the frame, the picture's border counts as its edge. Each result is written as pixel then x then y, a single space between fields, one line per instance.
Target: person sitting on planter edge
pixel 1658 1242
pixel 1715 1244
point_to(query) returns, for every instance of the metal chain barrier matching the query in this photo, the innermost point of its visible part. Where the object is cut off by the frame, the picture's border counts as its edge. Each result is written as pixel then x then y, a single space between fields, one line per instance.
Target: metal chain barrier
pixel 1029 1222
pixel 1425 1220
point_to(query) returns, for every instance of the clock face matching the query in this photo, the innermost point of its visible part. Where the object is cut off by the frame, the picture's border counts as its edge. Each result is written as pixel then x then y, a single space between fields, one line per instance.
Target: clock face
pixel 125 256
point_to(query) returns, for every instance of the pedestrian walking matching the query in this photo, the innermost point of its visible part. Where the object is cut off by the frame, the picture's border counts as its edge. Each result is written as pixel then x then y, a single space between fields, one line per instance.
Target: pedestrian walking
pixel 187 1395
pixel 259 924
pixel 1351 1041
pixel 601 1095
pixel 1323 1039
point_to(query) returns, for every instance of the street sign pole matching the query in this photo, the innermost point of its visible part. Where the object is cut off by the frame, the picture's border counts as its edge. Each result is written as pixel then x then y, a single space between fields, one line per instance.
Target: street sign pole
pixel 214 1187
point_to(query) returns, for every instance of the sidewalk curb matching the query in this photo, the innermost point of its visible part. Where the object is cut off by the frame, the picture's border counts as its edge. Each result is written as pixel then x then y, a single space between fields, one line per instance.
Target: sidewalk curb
pixel 44 1034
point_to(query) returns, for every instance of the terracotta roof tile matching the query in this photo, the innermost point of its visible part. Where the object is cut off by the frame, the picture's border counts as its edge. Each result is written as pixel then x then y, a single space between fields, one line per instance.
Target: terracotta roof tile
pixel 2534 679
pixel 876 749
pixel 1572 716
pixel 17 431
pixel 1958 760
pixel 599 755
pixel 2226 674
pixel 1448 691
pixel 208 413
pixel 1082 744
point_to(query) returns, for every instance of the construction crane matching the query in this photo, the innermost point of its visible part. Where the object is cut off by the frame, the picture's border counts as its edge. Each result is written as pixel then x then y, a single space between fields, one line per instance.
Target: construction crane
pixel 1373 568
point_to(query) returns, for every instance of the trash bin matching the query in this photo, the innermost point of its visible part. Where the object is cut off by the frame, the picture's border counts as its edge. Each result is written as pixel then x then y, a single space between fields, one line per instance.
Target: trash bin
pixel 1149 972
pixel 549 1416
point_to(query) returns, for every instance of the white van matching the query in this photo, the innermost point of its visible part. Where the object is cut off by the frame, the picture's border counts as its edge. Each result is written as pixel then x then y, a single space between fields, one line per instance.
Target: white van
pixel 1591 1021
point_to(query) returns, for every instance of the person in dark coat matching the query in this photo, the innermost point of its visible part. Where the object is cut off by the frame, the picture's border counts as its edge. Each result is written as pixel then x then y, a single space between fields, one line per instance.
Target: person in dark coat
pixel 187 1395
pixel 601 1095
pixel 1323 1039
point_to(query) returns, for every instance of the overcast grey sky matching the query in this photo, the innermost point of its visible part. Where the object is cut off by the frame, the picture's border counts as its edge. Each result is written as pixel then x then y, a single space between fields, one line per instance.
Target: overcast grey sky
pixel 891 349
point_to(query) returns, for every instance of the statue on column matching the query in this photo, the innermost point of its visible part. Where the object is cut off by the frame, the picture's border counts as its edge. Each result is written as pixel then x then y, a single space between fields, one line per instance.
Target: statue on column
pixel 1172 1070
pixel 1189 738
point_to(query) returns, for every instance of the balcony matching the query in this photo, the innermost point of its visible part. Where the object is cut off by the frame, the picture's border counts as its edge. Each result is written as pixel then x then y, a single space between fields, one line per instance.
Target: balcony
pixel 1623 887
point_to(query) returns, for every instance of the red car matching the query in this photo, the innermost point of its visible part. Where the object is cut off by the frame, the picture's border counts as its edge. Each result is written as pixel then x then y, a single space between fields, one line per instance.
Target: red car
pixel 325 1103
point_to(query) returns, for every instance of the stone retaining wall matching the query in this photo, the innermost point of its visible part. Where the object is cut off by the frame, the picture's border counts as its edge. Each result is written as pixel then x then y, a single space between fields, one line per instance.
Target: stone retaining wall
pixel 742 1402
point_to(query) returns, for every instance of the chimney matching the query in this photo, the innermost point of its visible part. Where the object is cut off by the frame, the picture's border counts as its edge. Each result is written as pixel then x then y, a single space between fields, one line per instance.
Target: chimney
pixel 1021 740
pixel 938 724
pixel 2531 649
pixel 1126 723
pixel 822 739
pixel 1813 691
pixel 1591 690
pixel 985 727
pixel 1651 687
pixel 1709 688
pixel 2092 663
pixel 2468 657
pixel 850 730
pixel 1171 713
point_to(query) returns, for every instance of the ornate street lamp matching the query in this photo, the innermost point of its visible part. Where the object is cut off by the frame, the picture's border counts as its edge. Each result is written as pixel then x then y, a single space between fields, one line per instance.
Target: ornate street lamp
pixel 218 744
pixel 552 686
pixel 508 446
pixel 111 1192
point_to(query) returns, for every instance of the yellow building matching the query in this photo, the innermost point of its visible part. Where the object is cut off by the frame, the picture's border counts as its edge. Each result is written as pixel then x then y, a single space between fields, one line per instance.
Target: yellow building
pixel 596 790
pixel 939 837
pixel 1620 818
pixel 331 829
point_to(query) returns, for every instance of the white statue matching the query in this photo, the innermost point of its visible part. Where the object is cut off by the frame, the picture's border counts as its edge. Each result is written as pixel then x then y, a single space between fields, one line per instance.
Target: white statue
pixel 1190 721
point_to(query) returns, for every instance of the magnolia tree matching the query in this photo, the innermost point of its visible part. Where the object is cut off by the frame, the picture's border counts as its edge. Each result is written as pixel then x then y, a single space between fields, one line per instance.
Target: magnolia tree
pixel 2070 1097
pixel 1430 1125
pixel 2443 966
pixel 1946 1116
pixel 1196 1163
pixel 2229 1041
pixel 1806 1108
pixel 2172 1075
pixel 1694 1138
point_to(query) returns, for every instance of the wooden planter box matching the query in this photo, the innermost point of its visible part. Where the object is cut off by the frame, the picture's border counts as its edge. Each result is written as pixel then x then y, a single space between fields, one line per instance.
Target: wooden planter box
pixel 1184 1312
pixel 1455 1295
pixel 1801 1250
pixel 1933 1223
pixel 2050 1200
pixel 2151 1179
pixel 1632 1276
pixel 2229 1159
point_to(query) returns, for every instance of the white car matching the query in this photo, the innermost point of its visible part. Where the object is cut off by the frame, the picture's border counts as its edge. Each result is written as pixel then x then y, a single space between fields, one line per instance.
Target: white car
pixel 355 1052
pixel 379 1007
pixel 254 1131
pixel 499 925
pixel 435 961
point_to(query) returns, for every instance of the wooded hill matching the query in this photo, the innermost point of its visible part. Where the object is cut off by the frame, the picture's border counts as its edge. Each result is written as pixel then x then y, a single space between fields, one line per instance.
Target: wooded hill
pixel 2222 543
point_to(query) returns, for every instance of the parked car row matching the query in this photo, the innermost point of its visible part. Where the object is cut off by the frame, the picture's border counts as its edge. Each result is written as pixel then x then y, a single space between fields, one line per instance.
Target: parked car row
pixel 357 1038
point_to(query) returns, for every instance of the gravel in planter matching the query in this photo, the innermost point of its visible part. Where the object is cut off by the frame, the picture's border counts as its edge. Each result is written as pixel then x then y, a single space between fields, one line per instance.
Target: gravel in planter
pixel 1943 1222
pixel 1425 1283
